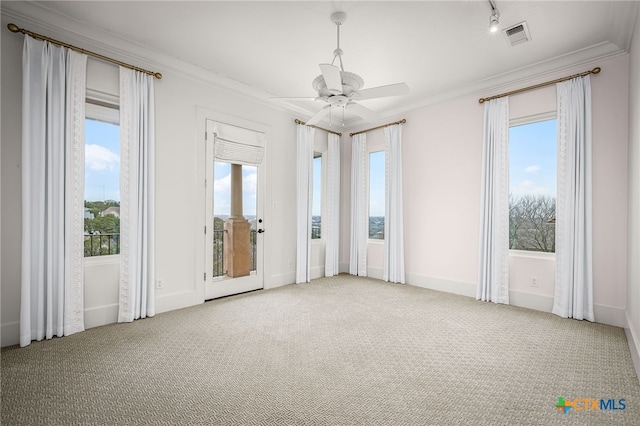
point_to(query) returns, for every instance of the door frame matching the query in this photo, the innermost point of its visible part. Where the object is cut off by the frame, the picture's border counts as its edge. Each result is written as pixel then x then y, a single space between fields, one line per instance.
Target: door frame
pixel 200 165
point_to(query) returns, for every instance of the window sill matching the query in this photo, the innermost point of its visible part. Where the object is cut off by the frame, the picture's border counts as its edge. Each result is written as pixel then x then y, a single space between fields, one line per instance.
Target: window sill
pixel 532 254
pixel 109 259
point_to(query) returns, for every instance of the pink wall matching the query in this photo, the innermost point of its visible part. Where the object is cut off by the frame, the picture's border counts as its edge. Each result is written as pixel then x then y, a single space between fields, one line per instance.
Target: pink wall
pixel 442 148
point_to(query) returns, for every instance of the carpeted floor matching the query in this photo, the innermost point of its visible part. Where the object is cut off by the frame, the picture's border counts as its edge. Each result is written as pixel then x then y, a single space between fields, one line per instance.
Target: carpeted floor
pixel 338 351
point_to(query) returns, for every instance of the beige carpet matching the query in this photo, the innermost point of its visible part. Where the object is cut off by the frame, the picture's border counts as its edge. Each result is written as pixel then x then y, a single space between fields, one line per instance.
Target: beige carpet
pixel 337 351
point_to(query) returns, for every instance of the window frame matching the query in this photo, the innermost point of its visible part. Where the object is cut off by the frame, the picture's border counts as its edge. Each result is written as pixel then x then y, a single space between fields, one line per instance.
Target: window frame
pixel 321 153
pixel 521 121
pixel 371 150
pixel 103 107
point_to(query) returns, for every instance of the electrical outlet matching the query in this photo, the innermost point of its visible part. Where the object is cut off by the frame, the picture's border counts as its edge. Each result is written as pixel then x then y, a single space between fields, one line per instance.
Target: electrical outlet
pixel 534 281
pixel 159 284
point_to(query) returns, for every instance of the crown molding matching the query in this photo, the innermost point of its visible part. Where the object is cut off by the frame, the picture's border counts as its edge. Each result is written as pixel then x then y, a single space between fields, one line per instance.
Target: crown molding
pixel 38 18
pixel 524 76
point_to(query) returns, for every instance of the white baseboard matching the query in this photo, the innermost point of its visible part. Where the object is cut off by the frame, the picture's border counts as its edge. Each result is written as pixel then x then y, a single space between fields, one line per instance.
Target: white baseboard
pixel 603 314
pixel 317 272
pixel 10 334
pixel 440 284
pixel 610 315
pixel 373 272
pixel 537 302
pixel 93 317
pixel 634 342
pixel 101 315
pixel 172 301
pixel 279 280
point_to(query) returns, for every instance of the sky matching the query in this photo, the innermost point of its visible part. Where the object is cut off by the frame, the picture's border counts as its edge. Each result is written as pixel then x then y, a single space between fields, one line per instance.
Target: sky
pixel 222 189
pixel 532 158
pixel 316 206
pixel 102 161
pixel 376 183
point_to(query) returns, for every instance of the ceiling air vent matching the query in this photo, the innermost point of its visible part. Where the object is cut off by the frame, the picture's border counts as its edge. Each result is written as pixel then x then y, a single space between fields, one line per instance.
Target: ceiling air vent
pixel 517 34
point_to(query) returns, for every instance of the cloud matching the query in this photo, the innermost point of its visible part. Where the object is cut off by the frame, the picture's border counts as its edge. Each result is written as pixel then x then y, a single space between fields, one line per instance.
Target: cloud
pixel 222 185
pixel 99 158
pixel 222 194
pixel 532 169
pixel 250 182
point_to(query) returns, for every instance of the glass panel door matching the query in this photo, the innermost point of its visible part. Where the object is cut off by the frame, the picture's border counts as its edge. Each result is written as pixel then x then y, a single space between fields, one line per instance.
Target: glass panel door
pixel 234 229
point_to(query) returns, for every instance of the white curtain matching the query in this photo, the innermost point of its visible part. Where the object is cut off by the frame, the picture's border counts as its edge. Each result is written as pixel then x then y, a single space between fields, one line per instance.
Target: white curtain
pixel 332 222
pixel 304 143
pixel 53 99
pixel 137 147
pixel 574 280
pixel 359 220
pixel 493 279
pixel 393 224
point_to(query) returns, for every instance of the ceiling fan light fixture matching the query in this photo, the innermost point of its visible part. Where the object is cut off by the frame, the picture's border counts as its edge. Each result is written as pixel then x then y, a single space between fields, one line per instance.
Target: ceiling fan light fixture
pixel 343 89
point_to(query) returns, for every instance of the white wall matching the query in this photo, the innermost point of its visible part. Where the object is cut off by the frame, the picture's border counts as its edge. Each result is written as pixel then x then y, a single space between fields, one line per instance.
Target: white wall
pixel 442 147
pixel 633 262
pixel 179 192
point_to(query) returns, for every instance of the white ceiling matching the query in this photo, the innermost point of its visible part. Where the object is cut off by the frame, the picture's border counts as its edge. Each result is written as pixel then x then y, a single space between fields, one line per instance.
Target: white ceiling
pixel 440 49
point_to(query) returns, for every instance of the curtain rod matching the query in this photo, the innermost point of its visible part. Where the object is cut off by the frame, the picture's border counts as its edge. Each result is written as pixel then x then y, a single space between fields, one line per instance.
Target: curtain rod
pixel 15 29
pixel 596 70
pixel 316 127
pixel 379 127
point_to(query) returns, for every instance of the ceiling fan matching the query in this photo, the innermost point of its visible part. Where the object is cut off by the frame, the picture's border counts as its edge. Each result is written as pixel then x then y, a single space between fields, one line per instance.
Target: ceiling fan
pixel 342 89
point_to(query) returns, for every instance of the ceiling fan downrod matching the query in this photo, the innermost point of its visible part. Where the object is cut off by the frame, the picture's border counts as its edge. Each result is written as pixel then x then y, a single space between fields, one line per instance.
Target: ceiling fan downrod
pixel 338 18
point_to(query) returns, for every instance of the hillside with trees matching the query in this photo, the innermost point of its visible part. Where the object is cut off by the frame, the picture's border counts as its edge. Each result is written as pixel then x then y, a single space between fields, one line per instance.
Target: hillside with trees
pixel 102 232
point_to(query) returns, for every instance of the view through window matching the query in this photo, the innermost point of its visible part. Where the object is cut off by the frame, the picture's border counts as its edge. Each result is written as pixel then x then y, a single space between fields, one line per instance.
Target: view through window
pixel 222 210
pixel 532 186
pixel 376 195
pixel 102 188
pixel 316 206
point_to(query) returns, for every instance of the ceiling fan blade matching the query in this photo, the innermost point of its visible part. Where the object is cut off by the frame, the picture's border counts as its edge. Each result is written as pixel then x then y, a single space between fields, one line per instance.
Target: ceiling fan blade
pixel 332 78
pixel 364 112
pixel 382 91
pixel 319 115
pixel 284 98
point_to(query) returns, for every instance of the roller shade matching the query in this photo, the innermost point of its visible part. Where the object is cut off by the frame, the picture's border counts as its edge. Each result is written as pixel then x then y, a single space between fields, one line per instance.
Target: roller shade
pixel 238 145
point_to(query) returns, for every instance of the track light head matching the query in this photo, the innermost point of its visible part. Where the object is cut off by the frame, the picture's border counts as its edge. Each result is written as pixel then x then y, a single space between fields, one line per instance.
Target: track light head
pixel 494 21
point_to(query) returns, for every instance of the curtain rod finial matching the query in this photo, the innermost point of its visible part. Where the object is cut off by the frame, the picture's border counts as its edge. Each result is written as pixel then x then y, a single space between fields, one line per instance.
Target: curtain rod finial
pixel 481 100
pixel 158 76
pixel 596 70
pixel 13 27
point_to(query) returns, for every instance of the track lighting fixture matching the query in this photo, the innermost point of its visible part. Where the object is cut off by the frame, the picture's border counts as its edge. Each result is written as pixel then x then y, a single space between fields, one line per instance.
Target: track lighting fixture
pixel 494 20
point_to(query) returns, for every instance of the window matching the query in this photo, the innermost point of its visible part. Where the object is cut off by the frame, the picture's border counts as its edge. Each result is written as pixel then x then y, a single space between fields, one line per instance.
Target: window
pixel 316 206
pixel 376 194
pixel 222 211
pixel 532 186
pixel 102 180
